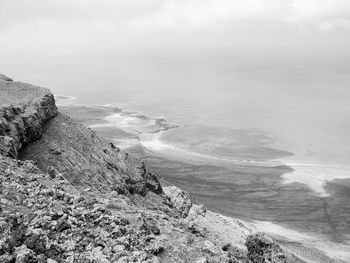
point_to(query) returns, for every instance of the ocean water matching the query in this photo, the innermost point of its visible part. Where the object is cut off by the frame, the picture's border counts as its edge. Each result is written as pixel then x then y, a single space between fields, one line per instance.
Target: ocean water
pixel 296 112
pixel 266 141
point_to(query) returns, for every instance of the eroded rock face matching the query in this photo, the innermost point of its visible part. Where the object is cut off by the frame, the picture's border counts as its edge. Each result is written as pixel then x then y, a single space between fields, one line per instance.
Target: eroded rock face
pixel 32 129
pixel 179 198
pixel 262 249
pixel 87 160
pixel 23 111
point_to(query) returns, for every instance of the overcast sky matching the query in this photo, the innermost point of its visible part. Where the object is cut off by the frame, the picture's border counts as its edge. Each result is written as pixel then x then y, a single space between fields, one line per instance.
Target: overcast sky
pixel 80 26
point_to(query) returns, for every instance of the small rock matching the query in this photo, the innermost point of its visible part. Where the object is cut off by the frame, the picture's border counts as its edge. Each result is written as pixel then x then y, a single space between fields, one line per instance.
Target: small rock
pixel 6 258
pixel 210 248
pixel 149 227
pixel 52 172
pixel 62 225
pixel 25 255
pixel 55 149
pixel 31 239
pixel 118 248
pixel 41 258
pixel 53 250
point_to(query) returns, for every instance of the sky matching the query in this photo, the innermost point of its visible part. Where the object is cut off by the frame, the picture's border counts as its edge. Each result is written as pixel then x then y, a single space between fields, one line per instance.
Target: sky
pixel 288 47
pixel 59 27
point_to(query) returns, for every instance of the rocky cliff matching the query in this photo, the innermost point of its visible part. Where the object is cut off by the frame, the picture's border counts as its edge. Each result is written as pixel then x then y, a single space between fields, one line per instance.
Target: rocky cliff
pixel 87 160
pixel 75 197
pixel 24 110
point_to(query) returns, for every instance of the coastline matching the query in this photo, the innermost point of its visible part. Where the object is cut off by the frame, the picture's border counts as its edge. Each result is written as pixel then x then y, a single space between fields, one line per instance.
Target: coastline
pixel 70 195
pixel 149 146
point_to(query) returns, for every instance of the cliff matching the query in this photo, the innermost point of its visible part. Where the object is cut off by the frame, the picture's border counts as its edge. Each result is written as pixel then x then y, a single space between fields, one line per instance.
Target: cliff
pixel 24 110
pixel 75 197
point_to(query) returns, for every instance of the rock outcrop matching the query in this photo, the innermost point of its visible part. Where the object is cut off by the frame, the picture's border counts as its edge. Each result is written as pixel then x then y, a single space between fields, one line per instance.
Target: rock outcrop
pixel 24 110
pixel 75 198
pixel 179 198
pixel 262 249
pixel 28 114
pixel 87 160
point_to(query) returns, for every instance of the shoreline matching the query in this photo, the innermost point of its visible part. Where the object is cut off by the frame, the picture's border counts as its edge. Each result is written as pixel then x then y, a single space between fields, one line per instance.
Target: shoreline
pixel 157 146
pixel 152 144
pixel 309 246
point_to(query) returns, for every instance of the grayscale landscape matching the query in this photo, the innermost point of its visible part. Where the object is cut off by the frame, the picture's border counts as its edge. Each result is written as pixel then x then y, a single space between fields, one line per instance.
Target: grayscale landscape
pixel 174 131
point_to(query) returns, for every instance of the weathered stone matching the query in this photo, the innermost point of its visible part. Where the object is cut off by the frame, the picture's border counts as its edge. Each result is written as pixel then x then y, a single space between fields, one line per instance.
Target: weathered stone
pixel 52 172
pixel 31 239
pixel 41 258
pixel 262 249
pixel 149 227
pixel 62 225
pixel 24 110
pixel 6 258
pixel 25 255
pixel 8 146
pixel 210 248
pixel 180 199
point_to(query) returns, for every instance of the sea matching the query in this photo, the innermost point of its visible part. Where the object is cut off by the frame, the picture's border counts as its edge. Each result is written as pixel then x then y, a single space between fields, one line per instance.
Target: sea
pixel 267 141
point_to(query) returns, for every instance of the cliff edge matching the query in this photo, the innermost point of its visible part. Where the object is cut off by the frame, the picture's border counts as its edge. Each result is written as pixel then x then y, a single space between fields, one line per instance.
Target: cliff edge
pixel 24 110
pixel 75 197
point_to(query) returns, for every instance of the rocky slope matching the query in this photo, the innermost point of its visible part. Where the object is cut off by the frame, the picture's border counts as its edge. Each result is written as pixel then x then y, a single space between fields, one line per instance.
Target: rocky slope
pixel 87 160
pixel 75 197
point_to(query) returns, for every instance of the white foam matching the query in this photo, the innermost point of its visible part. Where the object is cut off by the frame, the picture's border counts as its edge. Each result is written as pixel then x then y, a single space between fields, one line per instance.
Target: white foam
pixel 118 120
pixel 126 123
pixel 153 142
pixel 315 176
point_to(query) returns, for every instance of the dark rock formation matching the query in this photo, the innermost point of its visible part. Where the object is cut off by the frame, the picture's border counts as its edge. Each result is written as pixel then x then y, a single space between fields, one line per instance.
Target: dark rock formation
pixel 24 110
pixel 180 199
pixel 262 249
pixel 87 160
pixel 29 114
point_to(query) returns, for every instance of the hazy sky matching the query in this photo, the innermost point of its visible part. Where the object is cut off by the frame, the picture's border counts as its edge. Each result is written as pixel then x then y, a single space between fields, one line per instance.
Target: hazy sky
pixel 146 26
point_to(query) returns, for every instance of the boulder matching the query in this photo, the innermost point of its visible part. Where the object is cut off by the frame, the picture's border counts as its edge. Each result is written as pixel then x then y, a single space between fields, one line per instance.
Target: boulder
pixel 179 198
pixel 262 249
